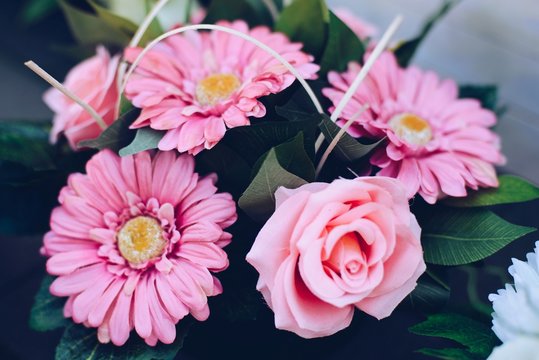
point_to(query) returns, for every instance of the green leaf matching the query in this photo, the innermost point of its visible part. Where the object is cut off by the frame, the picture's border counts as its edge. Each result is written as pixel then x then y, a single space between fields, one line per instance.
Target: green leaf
pixel 449 354
pixel 37 10
pixel 306 21
pixel 80 343
pixel 27 144
pixel 275 170
pixel 348 148
pixel 47 311
pixel 293 158
pixel 299 106
pixel 133 10
pixel 293 112
pixel 233 171
pixel 487 94
pixel 477 337
pixel 457 237
pixel 512 189
pixel 125 105
pixel 429 295
pixel 232 10
pixel 116 136
pixel 145 139
pixel 125 25
pixel 263 14
pixel 255 140
pixel 406 51
pixel 343 46
pixel 88 28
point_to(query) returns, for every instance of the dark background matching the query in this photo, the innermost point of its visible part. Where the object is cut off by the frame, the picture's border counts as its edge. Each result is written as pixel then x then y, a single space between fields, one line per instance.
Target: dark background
pixel 22 268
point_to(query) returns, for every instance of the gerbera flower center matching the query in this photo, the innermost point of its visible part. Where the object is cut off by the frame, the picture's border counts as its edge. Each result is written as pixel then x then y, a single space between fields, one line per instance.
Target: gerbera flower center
pixel 215 88
pixel 411 128
pixel 141 239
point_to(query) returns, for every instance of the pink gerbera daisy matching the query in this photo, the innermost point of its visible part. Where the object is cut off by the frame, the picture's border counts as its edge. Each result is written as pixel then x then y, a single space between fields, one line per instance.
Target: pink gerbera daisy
pixel 437 144
pixel 196 85
pixel 134 243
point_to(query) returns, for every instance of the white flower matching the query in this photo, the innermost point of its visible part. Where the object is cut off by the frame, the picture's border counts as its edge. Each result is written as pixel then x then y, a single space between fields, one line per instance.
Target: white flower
pixel 521 348
pixel 516 308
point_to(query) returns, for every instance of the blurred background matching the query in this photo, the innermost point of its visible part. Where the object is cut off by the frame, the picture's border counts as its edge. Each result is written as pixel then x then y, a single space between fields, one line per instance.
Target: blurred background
pixel 480 41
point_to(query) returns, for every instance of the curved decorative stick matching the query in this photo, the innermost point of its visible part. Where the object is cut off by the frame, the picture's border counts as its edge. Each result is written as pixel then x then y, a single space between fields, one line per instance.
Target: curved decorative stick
pixel 338 137
pixel 234 32
pixel 380 47
pixel 145 24
pixel 70 94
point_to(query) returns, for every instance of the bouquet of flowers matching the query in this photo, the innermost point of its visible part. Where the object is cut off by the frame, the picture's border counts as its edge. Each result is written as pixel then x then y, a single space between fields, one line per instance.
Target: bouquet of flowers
pixel 274 163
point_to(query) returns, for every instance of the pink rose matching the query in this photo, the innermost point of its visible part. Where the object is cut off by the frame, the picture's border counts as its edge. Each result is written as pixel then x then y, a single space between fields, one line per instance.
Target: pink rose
pixel 331 247
pixel 94 81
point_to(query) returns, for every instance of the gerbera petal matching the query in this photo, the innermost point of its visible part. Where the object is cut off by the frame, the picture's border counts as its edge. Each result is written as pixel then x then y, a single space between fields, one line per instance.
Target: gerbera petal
pixel 141 314
pixel 67 262
pixel 119 324
pixel 162 324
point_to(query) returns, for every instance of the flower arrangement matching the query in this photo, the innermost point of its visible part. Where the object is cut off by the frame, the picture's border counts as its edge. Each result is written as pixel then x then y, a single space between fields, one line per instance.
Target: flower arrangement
pixel 263 162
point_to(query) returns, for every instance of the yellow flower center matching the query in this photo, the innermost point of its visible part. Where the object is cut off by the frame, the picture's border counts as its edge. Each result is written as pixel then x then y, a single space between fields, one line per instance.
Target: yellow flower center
pixel 411 128
pixel 141 239
pixel 215 88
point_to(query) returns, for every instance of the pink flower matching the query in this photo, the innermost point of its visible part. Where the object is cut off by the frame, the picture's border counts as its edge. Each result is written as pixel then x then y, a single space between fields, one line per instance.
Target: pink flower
pixel 330 248
pixel 360 27
pixel 134 244
pixel 437 144
pixel 196 85
pixel 94 81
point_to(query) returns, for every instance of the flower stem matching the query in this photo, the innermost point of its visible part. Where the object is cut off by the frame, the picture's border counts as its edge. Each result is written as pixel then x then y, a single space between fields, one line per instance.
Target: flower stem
pixel 473 295
pixel 380 47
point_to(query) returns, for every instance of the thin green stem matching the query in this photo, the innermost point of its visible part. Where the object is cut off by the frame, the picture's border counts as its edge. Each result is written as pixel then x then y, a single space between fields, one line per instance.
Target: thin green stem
pixel 473 295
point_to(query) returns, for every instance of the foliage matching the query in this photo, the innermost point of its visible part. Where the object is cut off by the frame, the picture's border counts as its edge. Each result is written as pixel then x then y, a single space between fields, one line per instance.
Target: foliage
pixel 486 94
pixel 47 311
pixel 310 28
pixel 512 189
pixel 252 11
pixel 80 343
pixel 476 337
pixel 145 139
pixel 452 237
pixel 116 136
pixel 27 144
pixel 348 148
pixel 286 165
pixel 431 293
pixel 100 25
pixel 343 46
pixel 406 50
